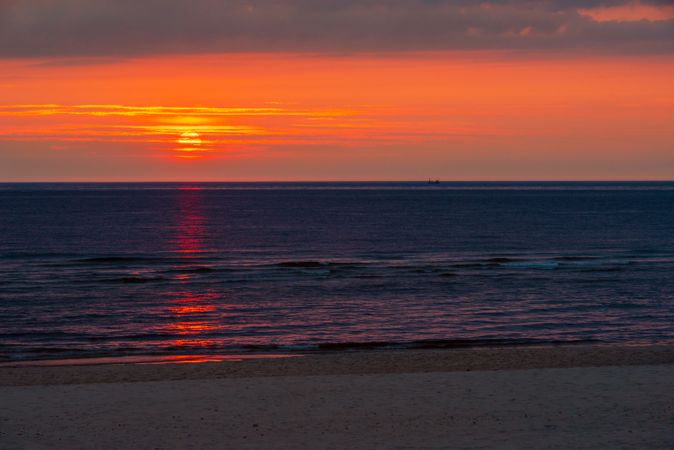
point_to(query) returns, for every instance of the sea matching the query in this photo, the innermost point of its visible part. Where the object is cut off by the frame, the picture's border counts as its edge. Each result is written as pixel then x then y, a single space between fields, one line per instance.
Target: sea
pixel 90 270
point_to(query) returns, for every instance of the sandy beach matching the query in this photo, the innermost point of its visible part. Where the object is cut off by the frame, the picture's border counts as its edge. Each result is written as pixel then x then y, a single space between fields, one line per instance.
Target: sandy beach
pixel 559 397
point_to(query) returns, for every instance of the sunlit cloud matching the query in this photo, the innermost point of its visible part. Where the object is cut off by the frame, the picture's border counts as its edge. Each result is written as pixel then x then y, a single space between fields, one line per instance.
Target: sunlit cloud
pixel 86 32
pixel 632 11
pixel 172 111
pixel 195 132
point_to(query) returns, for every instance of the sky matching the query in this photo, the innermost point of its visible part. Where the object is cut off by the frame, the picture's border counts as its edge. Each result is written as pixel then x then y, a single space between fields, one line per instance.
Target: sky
pixel 290 90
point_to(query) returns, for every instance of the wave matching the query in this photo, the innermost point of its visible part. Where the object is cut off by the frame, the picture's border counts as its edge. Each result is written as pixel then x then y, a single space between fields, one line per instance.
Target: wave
pixel 133 280
pixel 576 258
pixel 301 264
pixel 313 264
pixel 416 344
pixel 36 352
pixel 119 259
pixel 25 255
pixel 502 260
pixel 199 269
pixel 601 269
pixel 443 266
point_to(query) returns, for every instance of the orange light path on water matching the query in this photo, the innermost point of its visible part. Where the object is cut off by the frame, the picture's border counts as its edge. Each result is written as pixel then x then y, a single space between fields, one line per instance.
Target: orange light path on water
pixel 192 310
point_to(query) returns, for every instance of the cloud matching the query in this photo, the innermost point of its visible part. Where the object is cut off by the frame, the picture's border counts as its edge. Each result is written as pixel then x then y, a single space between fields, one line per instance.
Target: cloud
pixel 633 11
pixel 197 131
pixel 123 28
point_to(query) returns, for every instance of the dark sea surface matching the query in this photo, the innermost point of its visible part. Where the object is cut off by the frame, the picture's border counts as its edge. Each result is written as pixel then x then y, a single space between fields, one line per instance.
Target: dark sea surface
pixel 196 268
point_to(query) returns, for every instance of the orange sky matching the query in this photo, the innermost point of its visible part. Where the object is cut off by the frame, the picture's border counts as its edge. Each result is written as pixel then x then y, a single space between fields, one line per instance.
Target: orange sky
pixel 355 90
pixel 462 115
pixel 457 116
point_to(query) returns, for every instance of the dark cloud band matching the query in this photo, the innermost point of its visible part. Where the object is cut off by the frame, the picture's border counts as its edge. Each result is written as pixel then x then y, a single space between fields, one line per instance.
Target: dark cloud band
pixel 104 28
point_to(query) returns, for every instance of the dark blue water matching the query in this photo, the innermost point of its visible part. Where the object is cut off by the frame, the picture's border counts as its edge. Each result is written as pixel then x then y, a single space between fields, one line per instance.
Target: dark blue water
pixel 125 269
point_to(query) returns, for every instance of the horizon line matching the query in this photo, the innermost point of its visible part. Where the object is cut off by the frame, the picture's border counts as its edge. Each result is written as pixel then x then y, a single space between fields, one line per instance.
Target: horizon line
pixel 424 180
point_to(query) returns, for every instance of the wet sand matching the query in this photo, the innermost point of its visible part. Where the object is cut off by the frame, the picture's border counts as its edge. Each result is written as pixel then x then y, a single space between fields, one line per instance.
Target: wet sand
pixel 558 397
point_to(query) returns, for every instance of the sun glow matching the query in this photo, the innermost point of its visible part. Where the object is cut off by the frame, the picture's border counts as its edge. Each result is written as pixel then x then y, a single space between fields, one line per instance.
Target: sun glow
pixel 354 117
pixel 190 138
pixel 190 142
pixel 182 132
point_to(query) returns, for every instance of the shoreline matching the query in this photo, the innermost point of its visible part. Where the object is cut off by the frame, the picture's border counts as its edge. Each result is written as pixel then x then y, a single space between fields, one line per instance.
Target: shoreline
pixel 362 362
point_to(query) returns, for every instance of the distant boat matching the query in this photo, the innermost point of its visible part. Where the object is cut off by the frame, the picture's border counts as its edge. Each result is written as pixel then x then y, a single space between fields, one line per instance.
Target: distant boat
pixel 433 181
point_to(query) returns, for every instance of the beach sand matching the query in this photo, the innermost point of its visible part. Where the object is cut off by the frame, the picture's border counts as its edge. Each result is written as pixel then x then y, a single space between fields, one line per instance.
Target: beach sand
pixel 598 397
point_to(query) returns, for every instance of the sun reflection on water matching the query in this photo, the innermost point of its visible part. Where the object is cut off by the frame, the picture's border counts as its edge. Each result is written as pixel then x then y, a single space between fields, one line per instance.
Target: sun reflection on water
pixel 191 310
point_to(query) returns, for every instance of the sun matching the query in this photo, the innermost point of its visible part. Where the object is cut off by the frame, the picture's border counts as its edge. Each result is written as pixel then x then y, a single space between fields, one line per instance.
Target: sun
pixel 189 144
pixel 190 138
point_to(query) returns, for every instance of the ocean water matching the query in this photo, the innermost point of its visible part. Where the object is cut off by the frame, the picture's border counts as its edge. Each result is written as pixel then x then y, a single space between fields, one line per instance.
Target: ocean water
pixel 91 270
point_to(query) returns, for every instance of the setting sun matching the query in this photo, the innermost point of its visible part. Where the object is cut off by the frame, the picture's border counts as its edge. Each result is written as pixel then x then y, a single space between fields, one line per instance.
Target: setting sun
pixel 189 142
pixel 190 138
